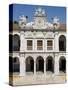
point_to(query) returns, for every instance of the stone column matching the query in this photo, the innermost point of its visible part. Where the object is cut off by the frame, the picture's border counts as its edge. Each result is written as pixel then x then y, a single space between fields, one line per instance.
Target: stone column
pixel 22 65
pixel 22 41
pixel 56 42
pixel 56 65
pixel 35 45
pixel 45 45
pixel 53 44
pixel 44 67
pixel 34 67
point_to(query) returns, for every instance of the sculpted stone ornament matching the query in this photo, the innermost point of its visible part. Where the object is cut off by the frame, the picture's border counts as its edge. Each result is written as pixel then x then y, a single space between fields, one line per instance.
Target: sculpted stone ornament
pixel 39 21
pixel 39 12
pixel 22 21
pixel 56 23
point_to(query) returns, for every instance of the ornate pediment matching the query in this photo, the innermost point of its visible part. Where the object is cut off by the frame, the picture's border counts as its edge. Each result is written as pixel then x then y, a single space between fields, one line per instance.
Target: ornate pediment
pixel 39 21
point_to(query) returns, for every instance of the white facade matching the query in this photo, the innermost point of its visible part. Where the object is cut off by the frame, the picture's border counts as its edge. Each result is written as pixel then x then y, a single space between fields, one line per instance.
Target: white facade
pixel 39 29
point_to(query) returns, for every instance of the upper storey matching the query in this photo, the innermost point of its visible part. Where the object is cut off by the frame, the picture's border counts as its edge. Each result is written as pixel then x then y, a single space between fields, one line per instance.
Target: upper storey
pixel 39 21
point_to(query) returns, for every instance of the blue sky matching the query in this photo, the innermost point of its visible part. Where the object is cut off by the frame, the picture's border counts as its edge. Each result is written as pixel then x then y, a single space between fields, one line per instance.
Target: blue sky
pixel 28 10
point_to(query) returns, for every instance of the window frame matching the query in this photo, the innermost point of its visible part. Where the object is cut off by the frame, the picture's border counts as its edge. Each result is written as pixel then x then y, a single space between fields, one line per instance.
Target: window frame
pixel 29 47
pixel 50 47
pixel 41 46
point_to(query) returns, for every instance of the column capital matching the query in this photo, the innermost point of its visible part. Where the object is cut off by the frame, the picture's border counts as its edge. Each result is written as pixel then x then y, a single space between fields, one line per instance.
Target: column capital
pixel 22 55
pixel 21 32
pixel 56 33
pixel 56 54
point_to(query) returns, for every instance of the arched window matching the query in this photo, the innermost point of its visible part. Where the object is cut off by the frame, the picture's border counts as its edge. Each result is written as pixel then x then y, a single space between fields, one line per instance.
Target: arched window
pixel 62 64
pixel 16 64
pixel 62 43
pixel 40 64
pixel 16 43
pixel 50 64
pixel 10 42
pixel 29 64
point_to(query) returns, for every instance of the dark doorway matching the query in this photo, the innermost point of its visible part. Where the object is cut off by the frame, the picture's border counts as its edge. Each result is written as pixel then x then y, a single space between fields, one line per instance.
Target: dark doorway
pixel 29 64
pixel 16 65
pixel 10 64
pixel 62 43
pixel 40 64
pixel 50 64
pixel 62 64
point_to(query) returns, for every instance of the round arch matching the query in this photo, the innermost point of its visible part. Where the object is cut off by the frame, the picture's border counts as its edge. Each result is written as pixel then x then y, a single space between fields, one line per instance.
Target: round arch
pixel 62 43
pixel 62 64
pixel 50 64
pixel 29 64
pixel 40 64
pixel 16 42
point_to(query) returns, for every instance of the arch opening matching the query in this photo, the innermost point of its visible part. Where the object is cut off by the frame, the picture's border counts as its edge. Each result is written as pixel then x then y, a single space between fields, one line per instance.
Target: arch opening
pixel 40 64
pixel 16 64
pixel 29 64
pixel 62 43
pixel 50 64
pixel 62 64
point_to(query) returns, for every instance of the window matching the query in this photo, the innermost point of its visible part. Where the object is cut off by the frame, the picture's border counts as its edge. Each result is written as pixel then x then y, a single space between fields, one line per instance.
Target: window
pixel 29 44
pixel 39 45
pixel 49 45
